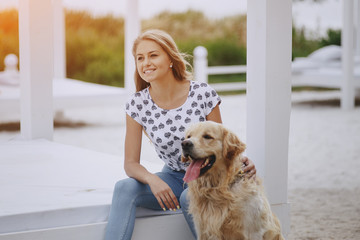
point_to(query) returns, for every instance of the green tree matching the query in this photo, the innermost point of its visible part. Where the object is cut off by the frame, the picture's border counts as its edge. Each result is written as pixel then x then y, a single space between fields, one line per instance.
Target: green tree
pixel 9 34
pixel 95 48
pixel 333 38
pixel 301 46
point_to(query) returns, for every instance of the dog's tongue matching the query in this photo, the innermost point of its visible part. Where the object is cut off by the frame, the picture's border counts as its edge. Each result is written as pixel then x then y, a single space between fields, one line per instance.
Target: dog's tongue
pixel 193 171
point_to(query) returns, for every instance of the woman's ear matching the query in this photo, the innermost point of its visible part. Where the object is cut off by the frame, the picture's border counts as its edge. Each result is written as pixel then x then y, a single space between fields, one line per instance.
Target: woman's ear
pixel 232 146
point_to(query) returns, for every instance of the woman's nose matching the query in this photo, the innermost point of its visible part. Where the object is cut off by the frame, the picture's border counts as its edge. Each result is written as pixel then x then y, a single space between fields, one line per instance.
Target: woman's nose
pixel 147 61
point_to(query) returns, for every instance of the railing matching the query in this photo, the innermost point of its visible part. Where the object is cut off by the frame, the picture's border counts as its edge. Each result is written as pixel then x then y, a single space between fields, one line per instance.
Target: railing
pixel 202 71
pixel 10 75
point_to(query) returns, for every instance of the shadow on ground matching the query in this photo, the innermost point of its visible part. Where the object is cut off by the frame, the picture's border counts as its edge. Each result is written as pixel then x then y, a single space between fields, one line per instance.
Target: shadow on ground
pixel 15 126
pixel 324 102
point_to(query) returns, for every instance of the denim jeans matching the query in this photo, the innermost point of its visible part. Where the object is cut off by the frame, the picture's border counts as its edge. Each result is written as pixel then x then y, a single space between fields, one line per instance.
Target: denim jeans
pixel 130 193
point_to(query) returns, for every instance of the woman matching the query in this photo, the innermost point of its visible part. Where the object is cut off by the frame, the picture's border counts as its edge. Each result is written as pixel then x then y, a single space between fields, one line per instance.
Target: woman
pixel 165 103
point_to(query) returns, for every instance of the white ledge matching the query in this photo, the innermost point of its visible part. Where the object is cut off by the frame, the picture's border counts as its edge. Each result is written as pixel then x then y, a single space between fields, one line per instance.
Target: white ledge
pixel 48 185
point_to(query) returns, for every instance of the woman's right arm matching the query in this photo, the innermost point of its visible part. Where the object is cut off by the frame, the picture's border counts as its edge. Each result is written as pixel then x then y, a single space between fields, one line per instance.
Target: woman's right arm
pixel 134 169
pixel 133 139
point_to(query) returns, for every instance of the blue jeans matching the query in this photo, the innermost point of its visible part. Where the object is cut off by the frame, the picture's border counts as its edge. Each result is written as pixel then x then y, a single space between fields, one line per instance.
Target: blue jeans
pixel 130 193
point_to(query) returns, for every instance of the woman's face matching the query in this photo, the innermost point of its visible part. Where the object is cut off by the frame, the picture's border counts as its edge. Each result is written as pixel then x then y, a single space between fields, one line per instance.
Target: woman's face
pixel 152 62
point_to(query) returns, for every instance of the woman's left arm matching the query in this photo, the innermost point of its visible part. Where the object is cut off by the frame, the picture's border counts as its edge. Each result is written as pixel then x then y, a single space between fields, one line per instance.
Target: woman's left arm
pixel 214 115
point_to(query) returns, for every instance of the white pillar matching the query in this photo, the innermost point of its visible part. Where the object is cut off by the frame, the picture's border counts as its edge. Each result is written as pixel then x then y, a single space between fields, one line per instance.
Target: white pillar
pixel 269 97
pixel 59 40
pixel 36 68
pixel 357 28
pixel 200 64
pixel 132 30
pixel 347 41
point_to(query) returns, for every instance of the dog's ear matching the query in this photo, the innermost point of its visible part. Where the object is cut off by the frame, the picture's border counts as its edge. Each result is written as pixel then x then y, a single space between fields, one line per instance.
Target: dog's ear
pixel 232 146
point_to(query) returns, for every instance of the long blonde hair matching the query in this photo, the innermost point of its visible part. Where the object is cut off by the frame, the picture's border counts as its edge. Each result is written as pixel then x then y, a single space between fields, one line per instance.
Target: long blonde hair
pixel 167 43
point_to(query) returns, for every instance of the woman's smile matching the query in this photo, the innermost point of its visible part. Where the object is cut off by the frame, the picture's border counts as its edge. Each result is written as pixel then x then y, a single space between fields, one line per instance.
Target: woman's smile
pixel 148 71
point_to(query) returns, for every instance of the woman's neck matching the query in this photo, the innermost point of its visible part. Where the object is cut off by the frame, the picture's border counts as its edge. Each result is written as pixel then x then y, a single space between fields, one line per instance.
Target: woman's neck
pixel 169 94
pixel 165 89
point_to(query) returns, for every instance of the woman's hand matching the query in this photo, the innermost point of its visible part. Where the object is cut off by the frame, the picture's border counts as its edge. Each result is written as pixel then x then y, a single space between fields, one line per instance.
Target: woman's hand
pixel 163 193
pixel 249 169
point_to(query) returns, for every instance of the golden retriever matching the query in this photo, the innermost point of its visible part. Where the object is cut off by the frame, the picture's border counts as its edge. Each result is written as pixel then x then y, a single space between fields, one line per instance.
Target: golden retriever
pixel 224 202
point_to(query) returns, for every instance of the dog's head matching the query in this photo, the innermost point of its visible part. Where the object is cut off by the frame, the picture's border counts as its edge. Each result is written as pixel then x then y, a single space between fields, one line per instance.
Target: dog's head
pixel 210 148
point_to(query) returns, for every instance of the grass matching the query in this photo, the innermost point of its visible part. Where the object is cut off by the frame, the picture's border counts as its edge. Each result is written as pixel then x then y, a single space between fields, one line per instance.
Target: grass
pixel 225 78
pixel 228 78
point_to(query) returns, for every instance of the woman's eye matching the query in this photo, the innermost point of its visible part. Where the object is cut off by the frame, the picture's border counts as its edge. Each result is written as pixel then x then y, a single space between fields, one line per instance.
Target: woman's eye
pixel 153 55
pixel 206 136
pixel 139 58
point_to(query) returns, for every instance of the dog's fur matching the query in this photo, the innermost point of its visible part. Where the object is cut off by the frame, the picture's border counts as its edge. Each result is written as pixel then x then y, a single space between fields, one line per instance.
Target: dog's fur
pixel 224 202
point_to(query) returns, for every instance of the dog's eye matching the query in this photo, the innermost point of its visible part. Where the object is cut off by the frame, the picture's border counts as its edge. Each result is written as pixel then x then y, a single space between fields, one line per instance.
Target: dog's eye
pixel 188 136
pixel 206 136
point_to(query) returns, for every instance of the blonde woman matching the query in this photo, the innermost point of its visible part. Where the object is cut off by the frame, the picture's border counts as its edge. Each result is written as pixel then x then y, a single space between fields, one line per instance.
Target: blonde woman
pixel 165 103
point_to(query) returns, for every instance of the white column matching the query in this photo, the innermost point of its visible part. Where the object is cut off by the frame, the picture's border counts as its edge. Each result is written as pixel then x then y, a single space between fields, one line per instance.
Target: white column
pixel 357 27
pixel 59 40
pixel 357 38
pixel 347 41
pixel 200 64
pixel 36 68
pixel 132 30
pixel 269 97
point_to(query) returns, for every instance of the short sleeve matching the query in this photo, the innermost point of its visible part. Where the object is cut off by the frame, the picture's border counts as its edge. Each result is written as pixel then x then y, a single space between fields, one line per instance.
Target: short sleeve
pixel 132 108
pixel 212 99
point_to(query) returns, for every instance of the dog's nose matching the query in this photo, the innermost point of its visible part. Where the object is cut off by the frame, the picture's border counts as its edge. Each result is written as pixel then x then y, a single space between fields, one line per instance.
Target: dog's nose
pixel 186 144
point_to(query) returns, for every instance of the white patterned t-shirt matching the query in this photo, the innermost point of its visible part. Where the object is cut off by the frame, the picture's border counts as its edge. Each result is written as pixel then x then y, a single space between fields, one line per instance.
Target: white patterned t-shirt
pixel 166 128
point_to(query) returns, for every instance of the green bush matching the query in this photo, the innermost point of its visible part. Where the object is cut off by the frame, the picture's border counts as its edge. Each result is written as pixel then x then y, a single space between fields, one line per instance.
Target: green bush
pixel 301 46
pixel 95 48
pixel 223 38
pixel 9 34
pixel 225 52
pixel 333 38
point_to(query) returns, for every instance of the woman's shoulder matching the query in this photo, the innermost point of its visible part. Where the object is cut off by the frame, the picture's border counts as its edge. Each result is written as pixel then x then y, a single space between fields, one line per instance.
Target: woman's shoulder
pixel 202 87
pixel 138 97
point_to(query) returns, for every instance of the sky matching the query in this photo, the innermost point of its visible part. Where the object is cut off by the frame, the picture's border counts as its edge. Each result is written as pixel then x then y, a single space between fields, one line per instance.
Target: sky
pixel 315 16
pixel 148 8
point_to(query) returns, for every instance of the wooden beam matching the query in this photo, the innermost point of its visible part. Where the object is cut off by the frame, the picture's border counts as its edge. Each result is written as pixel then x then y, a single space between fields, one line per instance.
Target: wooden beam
pixel 347 42
pixel 36 68
pixel 269 97
pixel 59 40
pixel 132 30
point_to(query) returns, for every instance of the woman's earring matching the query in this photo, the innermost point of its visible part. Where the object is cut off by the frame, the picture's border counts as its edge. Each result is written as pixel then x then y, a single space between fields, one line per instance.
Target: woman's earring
pixel 171 65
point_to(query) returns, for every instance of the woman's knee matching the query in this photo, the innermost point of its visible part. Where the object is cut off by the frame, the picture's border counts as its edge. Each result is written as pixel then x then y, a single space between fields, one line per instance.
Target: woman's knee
pixel 184 201
pixel 128 186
